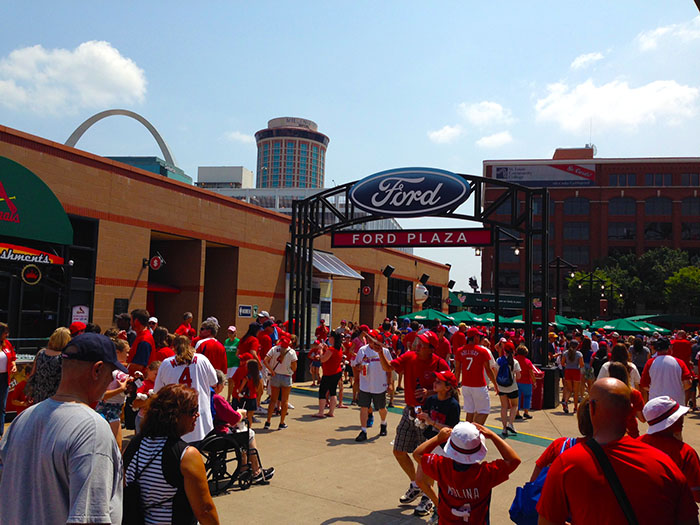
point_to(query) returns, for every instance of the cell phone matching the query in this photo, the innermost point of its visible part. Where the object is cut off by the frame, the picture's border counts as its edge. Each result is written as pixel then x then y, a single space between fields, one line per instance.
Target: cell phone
pixel 138 382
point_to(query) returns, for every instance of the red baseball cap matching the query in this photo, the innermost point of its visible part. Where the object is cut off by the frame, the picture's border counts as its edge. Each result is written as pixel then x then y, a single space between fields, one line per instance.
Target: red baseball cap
pixel 77 327
pixel 428 337
pixel 447 377
pixel 374 335
pixel 509 347
pixel 284 342
pixel 473 332
pixel 364 328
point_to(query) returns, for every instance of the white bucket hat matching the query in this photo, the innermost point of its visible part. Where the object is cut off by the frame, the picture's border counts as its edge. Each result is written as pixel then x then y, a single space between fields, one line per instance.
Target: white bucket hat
pixel 466 444
pixel 662 412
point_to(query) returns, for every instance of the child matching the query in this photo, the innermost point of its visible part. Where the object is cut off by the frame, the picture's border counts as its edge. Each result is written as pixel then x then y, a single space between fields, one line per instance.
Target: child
pixel 110 407
pixel 248 390
pixel 144 392
pixel 528 373
pixel 315 358
pixel 464 481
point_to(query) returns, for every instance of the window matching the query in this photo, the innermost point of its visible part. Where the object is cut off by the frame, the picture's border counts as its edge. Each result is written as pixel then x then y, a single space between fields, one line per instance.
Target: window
pixel 622 179
pixel 509 280
pixel 690 206
pixel 657 179
pixel 658 206
pixel 576 206
pixel 621 231
pixel 578 231
pixel 622 206
pixel 537 206
pixel 658 231
pixel 690 231
pixel 399 297
pixel 506 254
pixel 576 255
pixel 690 179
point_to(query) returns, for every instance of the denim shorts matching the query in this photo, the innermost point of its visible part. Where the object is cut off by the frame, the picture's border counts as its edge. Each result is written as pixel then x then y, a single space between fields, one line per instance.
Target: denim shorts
pixel 110 411
pixel 280 380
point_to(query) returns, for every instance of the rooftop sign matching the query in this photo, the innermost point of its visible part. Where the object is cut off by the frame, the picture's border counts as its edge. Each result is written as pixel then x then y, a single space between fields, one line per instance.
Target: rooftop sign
pixel 409 192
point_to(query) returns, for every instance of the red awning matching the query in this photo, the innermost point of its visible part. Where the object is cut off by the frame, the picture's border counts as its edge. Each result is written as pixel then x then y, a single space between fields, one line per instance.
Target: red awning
pixel 162 288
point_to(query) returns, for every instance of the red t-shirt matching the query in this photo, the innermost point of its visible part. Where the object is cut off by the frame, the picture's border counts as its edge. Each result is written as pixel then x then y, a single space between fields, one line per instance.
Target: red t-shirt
pixel 681 348
pixel 459 339
pixel 334 364
pixel 473 359
pixel 249 390
pixel 682 454
pixel 248 346
pixel 443 349
pixel 163 353
pixel 418 372
pixel 408 341
pixel 465 490
pixel 142 348
pixel 637 406
pixel 215 352
pixel 322 332
pixel 186 329
pixel 656 488
pixel 555 449
pixel 265 343
pixel 526 367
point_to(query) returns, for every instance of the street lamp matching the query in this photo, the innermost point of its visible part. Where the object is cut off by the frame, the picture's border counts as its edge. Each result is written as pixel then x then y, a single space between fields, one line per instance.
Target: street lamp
pixel 558 263
pixel 590 278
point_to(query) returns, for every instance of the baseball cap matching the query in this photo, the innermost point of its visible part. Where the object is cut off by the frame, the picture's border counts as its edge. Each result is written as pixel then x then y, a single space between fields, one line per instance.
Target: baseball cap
pixel 447 377
pixel 76 327
pixel 662 412
pixel 428 337
pixel 231 328
pixel 509 347
pixel 615 335
pixel 373 334
pixel 284 342
pixel 662 343
pixel 93 347
pixel 263 313
pixel 364 328
pixel 267 324
pixel 466 444
pixel 473 332
pixel 323 321
pixel 153 320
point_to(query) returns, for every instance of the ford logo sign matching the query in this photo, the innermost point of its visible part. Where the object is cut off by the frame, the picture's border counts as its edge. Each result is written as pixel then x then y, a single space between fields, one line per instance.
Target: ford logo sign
pixel 409 192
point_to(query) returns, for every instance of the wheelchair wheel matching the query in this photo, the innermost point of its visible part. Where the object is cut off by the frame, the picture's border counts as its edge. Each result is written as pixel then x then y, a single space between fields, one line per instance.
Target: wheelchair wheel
pixel 222 461
pixel 245 479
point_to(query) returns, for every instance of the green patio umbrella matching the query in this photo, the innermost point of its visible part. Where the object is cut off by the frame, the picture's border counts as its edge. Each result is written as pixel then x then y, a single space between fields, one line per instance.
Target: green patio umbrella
pixel 429 315
pixel 650 328
pixel 565 322
pixel 515 321
pixel 622 326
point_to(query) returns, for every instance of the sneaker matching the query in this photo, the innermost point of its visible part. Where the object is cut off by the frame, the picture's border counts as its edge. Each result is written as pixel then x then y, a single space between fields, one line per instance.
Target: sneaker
pixel 267 425
pixel 266 402
pixel 411 494
pixel 504 432
pixel 518 417
pixel 390 405
pixel 264 475
pixel 282 426
pixel 512 430
pixel 434 518
pixel 382 430
pixel 255 420
pixel 290 406
pixel 527 416
pixel 424 507
pixel 362 436
pixel 370 420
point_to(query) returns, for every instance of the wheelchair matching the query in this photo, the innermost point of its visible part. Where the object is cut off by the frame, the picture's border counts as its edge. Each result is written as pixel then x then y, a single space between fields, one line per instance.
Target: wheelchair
pixel 223 460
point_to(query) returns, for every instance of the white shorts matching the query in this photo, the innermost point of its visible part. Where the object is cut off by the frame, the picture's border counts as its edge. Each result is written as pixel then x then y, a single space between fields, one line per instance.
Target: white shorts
pixel 231 371
pixel 476 399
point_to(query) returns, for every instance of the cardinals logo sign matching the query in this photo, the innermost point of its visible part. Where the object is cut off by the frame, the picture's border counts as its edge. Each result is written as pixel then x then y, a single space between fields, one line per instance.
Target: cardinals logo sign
pixel 10 213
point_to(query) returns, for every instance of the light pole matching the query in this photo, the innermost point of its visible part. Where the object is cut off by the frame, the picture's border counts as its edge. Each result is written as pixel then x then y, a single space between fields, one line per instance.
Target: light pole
pixel 612 296
pixel 590 278
pixel 558 263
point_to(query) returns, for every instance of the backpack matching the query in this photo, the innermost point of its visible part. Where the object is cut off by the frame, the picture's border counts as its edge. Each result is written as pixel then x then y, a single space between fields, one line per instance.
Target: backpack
pixel 504 376
pixel 523 511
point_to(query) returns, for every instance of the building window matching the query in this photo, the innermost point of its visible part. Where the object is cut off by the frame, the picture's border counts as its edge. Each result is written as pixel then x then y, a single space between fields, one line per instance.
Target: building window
pixel 658 231
pixel 576 231
pixel 399 297
pixel 621 231
pixel 509 280
pixel 537 206
pixel 576 255
pixel 690 179
pixel 576 206
pixel 622 179
pixel 657 179
pixel 690 206
pixel 506 254
pixel 658 206
pixel 690 231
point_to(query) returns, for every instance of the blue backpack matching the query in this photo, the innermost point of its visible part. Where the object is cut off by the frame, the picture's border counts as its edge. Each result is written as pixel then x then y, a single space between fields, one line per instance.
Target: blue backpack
pixel 523 511
pixel 504 376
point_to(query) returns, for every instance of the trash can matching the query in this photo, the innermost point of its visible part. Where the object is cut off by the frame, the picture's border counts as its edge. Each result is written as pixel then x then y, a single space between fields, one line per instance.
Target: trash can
pixel 537 394
pixel 550 387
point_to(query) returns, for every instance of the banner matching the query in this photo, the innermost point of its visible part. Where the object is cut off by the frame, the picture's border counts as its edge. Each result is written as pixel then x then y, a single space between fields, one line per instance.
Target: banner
pixel 21 254
pixel 541 175
pixel 418 238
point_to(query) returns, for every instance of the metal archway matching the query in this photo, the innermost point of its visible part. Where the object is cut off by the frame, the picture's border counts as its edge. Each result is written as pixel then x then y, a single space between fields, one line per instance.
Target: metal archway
pixel 333 209
pixel 80 130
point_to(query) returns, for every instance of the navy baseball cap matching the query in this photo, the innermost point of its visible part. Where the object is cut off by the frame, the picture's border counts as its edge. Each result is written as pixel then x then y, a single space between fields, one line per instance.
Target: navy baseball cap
pixel 93 347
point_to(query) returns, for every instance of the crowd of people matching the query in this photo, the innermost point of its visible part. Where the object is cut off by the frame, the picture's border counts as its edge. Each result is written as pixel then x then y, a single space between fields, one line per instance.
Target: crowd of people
pixel 175 389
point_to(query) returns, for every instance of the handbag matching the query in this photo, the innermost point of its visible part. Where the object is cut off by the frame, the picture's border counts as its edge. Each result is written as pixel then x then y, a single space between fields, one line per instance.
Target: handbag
pixel 613 480
pixel 132 507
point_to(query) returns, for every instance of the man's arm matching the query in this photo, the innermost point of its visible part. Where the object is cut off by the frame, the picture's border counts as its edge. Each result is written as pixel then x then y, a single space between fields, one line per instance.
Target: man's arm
pixel 428 446
pixel 491 374
pixel 386 365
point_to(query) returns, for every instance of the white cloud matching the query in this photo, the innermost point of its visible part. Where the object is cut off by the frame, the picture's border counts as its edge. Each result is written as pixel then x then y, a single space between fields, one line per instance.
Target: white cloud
pixel 496 140
pixel 685 32
pixel 237 136
pixel 586 60
pixel 446 134
pixel 485 113
pixel 616 104
pixel 60 81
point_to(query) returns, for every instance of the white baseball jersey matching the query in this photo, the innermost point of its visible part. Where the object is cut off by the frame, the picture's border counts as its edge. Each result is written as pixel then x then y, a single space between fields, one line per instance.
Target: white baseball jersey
pixel 200 375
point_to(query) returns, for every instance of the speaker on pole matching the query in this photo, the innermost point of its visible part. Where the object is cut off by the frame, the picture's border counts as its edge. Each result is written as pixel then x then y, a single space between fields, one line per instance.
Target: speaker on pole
pixel 388 270
pixel 451 284
pixel 424 279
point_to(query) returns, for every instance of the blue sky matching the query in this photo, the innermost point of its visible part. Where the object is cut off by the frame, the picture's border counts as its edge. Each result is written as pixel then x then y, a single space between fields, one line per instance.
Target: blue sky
pixel 438 84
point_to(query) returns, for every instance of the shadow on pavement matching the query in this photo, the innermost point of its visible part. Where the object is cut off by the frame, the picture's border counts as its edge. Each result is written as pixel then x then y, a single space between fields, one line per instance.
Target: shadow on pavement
pixel 383 517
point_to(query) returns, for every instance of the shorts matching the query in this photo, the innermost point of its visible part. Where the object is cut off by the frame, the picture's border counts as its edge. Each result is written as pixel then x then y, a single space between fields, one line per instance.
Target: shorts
pixel 316 364
pixel 589 373
pixel 230 371
pixel 349 371
pixel 329 385
pixel 280 381
pixel 378 400
pixel 572 374
pixel 510 395
pixel 476 399
pixel 245 403
pixel 408 435
pixel 110 411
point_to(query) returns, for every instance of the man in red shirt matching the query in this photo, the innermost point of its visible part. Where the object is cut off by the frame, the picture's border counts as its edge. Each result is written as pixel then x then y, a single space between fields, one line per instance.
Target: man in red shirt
pixel 186 327
pixel 143 345
pixel 577 490
pixel 419 369
pixel 443 349
pixel 211 347
pixel 682 349
pixel 665 418
pixel 471 363
pixel 459 338
pixel 322 331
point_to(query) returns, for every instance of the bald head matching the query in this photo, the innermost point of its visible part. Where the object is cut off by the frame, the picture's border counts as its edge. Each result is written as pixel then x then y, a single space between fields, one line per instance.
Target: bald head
pixel 610 404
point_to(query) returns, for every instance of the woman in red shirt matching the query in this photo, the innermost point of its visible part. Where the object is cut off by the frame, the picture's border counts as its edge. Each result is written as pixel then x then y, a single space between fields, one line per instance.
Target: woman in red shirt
pixel 250 343
pixel 332 366
pixel 7 368
pixel 619 371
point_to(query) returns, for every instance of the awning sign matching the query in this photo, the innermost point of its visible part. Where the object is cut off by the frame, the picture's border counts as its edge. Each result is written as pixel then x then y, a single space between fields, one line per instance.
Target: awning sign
pixel 14 253
pixel 398 238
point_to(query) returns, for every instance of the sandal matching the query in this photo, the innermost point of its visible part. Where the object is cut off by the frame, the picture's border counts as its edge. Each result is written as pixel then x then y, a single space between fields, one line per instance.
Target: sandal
pixel 320 416
pixel 565 408
pixel 330 415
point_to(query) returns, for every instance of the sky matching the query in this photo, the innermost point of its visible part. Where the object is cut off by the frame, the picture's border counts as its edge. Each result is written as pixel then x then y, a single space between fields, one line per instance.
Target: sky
pixel 436 84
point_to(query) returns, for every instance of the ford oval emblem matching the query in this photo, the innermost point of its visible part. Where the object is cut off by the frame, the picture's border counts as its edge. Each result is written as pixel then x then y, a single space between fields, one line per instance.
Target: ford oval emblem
pixel 409 192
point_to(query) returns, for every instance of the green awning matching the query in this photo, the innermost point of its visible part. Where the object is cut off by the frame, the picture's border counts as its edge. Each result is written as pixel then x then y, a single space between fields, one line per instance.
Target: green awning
pixel 429 315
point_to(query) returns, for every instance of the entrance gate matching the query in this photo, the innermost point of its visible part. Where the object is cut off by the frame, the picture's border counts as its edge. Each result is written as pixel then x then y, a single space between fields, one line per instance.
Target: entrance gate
pixel 420 192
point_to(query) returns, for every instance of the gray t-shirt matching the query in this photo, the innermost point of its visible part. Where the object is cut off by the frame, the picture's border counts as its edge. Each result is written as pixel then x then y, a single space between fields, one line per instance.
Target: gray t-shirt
pixel 59 463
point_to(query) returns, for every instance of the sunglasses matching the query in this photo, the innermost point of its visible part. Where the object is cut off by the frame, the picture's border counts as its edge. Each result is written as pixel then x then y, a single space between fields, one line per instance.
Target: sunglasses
pixel 193 411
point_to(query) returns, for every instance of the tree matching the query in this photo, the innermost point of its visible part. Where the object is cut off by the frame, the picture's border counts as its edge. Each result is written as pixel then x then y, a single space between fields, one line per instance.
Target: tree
pixel 585 299
pixel 682 290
